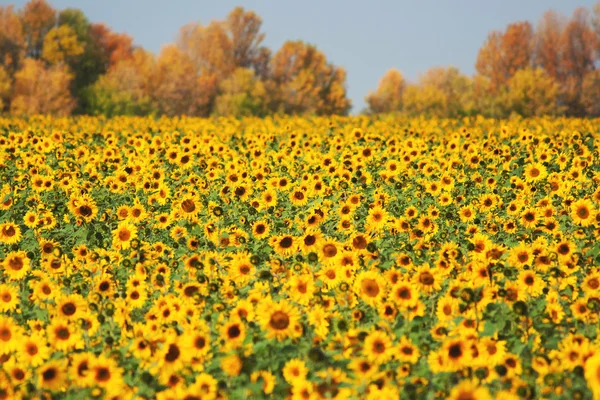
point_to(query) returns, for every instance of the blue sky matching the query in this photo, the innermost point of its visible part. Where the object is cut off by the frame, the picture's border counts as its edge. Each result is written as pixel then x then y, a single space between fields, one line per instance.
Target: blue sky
pixel 365 37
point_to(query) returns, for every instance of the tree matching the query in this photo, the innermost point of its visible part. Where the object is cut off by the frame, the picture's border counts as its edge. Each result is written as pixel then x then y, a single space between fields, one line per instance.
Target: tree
pixel 241 95
pixel 244 32
pixel 547 51
pixel 125 89
pixel 303 82
pixel 40 90
pixel 209 48
pixel 490 63
pixel 503 54
pixel 590 93
pixel 517 46
pixel 38 18
pixel 5 85
pixel 12 41
pixel 427 100
pixel 532 92
pixel 61 44
pixel 456 88
pixel 177 89
pixel 578 46
pixel 388 96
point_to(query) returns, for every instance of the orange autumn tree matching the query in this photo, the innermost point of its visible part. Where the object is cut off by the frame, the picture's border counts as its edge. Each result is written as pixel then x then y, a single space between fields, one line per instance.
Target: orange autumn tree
pixel 388 96
pixel 578 55
pixel 503 54
pixel 41 90
pixel 303 82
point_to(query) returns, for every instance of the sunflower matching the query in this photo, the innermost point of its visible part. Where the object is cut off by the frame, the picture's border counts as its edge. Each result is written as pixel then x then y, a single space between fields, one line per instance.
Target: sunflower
pixel 376 219
pixel 378 347
pixel 469 389
pixel 123 235
pixel 530 218
pixel 204 386
pixel 278 319
pixel 371 287
pixel 52 375
pixel 583 212
pixel 531 283
pixel 298 197
pixel 301 288
pixel 268 380
pixel 283 245
pixel 172 356
pixel 71 306
pixel 456 353
pixel 16 265
pixel 83 206
pixel 310 240
pixel 233 334
pixel 521 255
pixel 406 351
pixel 241 270
pixel 231 365
pixel 189 206
pixel 9 298
pixel 404 295
pixel 330 250
pixel 10 233
pixel 10 335
pixel 104 372
pixel 260 229
pixel 535 172
pixel 427 279
pixel 63 336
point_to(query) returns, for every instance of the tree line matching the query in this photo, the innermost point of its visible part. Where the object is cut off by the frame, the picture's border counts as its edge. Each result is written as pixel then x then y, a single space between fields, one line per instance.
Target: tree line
pixel 552 69
pixel 58 62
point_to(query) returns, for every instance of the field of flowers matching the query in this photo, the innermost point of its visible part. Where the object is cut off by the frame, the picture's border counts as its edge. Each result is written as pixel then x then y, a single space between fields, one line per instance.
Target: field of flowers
pixel 299 258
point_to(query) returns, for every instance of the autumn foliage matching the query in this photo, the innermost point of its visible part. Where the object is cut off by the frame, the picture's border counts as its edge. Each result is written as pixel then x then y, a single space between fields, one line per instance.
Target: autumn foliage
pixel 217 69
pixel 547 69
pixel 223 68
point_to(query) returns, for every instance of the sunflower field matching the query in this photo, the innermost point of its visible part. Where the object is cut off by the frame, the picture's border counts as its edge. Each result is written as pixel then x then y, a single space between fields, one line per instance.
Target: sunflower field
pixel 299 258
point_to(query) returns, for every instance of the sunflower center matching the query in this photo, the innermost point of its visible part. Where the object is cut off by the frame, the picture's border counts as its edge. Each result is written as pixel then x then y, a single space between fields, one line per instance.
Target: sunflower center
pixel 286 242
pixel 583 212
pixel 102 374
pixel 370 287
pixel 379 347
pixel 455 351
pixel 426 278
pixel 9 231
pixel 279 320
pixel 173 353
pixel 5 334
pixel 49 374
pixel 85 211
pixel 234 332
pixel 16 264
pixel 63 333
pixel 68 309
pixel 124 235
pixel 329 250
pixel 200 343
pixel 188 206
pixel 534 172
pixel 309 240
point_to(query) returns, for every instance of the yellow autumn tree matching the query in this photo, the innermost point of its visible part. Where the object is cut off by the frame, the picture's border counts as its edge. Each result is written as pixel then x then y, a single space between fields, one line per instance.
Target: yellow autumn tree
pixel 532 93
pixel 388 96
pixel 41 90
pixel 60 44
pixel 241 95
